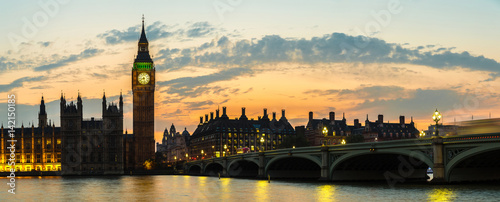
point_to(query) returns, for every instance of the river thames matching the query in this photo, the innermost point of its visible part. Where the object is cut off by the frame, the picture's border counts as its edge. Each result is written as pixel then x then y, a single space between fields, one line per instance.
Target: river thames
pixel 194 188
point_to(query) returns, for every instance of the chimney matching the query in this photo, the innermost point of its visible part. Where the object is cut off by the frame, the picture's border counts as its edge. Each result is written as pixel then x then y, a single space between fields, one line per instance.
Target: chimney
pixel 356 123
pixel 243 111
pixel 217 113
pixel 265 112
pixel 201 119
pixel 206 117
pixel 211 116
pixel 310 116
pixel 224 111
pixel 332 116
pixel 274 115
pixel 380 118
pixel 402 120
pixel 282 113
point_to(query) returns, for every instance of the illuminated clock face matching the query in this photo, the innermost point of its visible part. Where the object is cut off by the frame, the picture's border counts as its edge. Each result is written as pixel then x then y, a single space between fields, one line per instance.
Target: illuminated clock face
pixel 143 78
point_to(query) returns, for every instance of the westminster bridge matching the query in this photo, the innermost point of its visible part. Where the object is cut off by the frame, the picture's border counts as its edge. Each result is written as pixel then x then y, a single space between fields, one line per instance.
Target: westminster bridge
pixel 452 159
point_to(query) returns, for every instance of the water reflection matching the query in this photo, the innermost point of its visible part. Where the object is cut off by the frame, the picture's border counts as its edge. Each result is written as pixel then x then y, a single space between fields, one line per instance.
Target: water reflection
pixel 325 193
pixel 225 187
pixel 441 194
pixel 192 188
pixel 261 190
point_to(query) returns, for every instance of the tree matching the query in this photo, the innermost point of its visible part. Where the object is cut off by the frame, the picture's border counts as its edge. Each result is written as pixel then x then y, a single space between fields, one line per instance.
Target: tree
pixel 294 140
pixel 355 138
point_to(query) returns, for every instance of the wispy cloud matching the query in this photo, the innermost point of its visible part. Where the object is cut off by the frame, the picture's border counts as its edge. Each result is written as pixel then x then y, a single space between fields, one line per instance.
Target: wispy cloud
pixel 368 92
pixel 6 63
pixel 19 83
pixel 336 48
pixel 418 103
pixel 195 86
pixel 199 105
pixel 199 29
pixel 45 43
pixel 87 53
pixel 158 30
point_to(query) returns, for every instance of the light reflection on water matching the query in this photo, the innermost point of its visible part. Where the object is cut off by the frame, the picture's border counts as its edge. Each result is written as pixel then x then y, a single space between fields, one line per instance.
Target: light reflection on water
pixel 191 188
pixel 441 194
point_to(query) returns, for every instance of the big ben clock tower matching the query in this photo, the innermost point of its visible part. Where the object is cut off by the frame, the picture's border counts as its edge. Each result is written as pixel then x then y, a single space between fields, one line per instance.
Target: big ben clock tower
pixel 143 88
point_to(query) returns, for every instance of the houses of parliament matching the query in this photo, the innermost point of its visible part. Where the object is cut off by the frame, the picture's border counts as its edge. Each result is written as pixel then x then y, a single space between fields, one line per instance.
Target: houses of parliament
pixel 90 146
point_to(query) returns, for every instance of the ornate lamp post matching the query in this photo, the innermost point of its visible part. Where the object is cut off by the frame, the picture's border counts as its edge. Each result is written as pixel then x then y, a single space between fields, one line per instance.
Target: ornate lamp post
pixel 422 134
pixel 225 148
pixel 343 141
pixel 325 133
pixel 261 143
pixel 436 117
pixel 187 157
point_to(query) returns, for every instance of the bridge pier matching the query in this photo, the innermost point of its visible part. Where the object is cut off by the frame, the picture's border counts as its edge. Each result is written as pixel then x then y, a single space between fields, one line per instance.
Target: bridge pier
pixel 224 167
pixel 438 153
pixel 261 174
pixel 325 171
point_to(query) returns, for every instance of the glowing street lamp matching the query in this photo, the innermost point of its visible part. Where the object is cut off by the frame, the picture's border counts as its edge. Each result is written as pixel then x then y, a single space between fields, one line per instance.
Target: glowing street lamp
pixel 187 157
pixel 202 152
pixel 422 134
pixel 343 141
pixel 436 117
pixel 225 149
pixel 261 143
pixel 325 133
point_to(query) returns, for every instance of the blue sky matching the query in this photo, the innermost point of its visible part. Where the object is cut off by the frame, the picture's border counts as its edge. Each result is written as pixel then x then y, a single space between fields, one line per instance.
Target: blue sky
pixel 296 55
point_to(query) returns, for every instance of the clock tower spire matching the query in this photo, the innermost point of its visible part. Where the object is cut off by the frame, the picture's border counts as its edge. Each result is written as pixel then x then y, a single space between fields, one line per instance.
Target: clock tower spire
pixel 143 88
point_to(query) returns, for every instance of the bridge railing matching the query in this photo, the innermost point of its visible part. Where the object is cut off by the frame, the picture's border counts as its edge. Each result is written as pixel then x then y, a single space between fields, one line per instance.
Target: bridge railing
pixel 472 138
pixel 365 145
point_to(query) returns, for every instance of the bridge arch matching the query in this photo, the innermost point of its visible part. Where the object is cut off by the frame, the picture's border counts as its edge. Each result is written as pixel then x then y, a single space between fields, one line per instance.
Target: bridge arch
pixel 194 170
pixel 243 168
pixel 213 169
pixel 478 163
pixel 366 165
pixel 294 166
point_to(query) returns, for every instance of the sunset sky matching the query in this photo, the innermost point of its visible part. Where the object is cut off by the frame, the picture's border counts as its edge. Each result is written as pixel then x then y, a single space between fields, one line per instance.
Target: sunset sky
pixel 354 57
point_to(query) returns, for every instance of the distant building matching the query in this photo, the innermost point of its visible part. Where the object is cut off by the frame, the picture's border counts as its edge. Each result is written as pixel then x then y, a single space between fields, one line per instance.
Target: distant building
pixel 174 145
pixel 92 146
pixel 37 148
pixel 380 131
pixel 326 131
pixel 444 130
pixel 219 136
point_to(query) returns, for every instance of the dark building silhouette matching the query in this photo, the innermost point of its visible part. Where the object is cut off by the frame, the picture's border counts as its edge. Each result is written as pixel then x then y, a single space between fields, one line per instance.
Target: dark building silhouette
pixel 142 141
pixel 326 131
pixel 213 134
pixel 92 146
pixel 37 148
pixel 380 131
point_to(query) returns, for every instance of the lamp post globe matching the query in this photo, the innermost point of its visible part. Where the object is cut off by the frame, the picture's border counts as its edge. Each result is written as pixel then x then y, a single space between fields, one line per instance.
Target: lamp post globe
pixel 422 134
pixel 261 143
pixel 436 117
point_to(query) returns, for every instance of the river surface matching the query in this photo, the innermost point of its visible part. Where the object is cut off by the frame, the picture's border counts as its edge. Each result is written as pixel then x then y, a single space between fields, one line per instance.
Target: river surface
pixel 193 188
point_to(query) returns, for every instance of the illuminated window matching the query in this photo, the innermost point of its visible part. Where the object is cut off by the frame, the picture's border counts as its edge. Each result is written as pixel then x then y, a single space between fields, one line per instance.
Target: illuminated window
pixel 48 141
pixel 58 141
